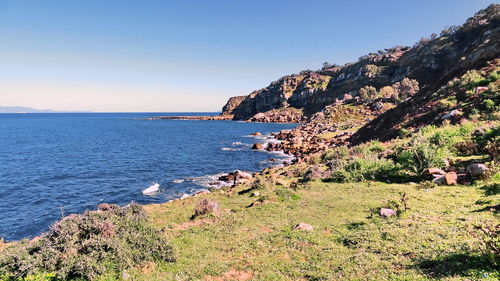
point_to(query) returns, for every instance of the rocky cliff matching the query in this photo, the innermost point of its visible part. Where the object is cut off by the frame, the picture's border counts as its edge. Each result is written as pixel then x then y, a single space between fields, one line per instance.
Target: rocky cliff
pixel 431 62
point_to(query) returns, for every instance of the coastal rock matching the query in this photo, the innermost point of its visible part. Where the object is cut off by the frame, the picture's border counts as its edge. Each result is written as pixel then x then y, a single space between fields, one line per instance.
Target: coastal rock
pixel 243 175
pixel 201 192
pixel 106 207
pixel 303 227
pixel 314 173
pixel 476 170
pixel 433 173
pixel 256 134
pixel 258 146
pixel 386 212
pixel 281 182
pixel 451 178
pixel 439 179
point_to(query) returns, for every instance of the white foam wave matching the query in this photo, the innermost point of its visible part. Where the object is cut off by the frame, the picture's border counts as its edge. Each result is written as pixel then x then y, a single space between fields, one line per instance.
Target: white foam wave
pixel 178 181
pixel 230 149
pixel 152 189
pixel 210 181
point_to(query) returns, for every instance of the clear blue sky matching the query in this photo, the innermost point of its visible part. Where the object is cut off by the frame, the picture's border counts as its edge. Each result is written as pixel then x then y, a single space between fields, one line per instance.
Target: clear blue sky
pixel 121 55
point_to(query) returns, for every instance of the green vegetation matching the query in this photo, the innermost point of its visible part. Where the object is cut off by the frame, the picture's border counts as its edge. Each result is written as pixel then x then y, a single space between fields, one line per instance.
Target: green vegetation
pixel 348 242
pixel 94 245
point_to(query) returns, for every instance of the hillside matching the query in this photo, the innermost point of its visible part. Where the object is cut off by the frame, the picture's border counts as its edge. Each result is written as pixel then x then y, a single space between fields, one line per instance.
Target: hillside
pixel 431 62
pixel 395 177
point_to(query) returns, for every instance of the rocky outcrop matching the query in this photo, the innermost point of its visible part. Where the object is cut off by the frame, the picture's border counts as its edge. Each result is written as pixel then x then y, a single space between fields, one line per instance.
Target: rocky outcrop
pixel 431 62
pixel 231 104
pixel 282 115
pixel 330 127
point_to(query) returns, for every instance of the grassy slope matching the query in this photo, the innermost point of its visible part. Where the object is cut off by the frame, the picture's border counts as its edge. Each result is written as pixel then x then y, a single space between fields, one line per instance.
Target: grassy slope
pixel 346 243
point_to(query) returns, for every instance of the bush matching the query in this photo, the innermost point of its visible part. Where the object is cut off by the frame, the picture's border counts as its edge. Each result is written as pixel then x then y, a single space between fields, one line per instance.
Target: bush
pixel 489 105
pixel 88 246
pixel 286 195
pixel 405 88
pixel 448 136
pixel 365 168
pixel 205 207
pixel 447 104
pixel 368 93
pixel 386 92
pixel 340 152
pixel 488 142
pixel 472 78
pixel 420 154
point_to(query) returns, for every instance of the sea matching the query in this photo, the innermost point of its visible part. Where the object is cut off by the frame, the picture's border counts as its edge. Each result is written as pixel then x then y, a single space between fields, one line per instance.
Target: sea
pixel 53 165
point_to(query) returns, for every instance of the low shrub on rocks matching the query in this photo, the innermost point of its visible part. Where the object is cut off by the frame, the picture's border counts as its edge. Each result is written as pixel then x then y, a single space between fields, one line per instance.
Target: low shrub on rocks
pixel 87 246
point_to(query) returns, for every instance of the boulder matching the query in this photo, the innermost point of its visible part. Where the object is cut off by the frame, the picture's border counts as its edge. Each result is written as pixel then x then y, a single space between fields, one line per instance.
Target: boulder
pixel 242 175
pixel 202 192
pixel 435 171
pixel 386 212
pixel 258 146
pixel 256 134
pixel 303 226
pixel 314 173
pixel 451 178
pixel 476 170
pixel 452 114
pixel 281 182
pixel 439 179
pixel 377 106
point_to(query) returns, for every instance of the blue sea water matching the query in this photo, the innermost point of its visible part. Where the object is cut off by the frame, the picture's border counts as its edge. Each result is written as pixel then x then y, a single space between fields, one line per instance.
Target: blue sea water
pixel 57 164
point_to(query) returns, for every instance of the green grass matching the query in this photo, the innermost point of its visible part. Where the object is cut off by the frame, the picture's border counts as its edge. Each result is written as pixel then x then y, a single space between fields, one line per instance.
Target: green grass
pixel 432 240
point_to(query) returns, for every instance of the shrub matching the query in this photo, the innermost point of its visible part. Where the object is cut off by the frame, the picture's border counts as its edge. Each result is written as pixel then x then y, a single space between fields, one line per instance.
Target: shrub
pixel 405 88
pixel 340 152
pixel 399 205
pixel 376 146
pixel 420 154
pixel 368 92
pixel 365 168
pixel 489 105
pixel 89 245
pixel 286 195
pixel 205 207
pixel 386 92
pixel 471 79
pixel 447 104
pixel 488 142
pixel 448 136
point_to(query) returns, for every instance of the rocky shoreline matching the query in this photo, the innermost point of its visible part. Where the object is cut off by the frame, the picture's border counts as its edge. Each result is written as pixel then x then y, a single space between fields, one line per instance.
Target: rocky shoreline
pixel 200 118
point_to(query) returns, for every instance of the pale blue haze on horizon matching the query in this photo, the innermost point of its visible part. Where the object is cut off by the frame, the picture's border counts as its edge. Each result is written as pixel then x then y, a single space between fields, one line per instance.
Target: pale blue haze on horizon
pixel 191 55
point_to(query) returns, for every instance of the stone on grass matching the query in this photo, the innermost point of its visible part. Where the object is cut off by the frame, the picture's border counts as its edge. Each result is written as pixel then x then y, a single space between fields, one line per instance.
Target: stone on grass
pixel 435 171
pixel 314 173
pixel 386 212
pixel 476 170
pixel 255 194
pixel 451 178
pixel 303 226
